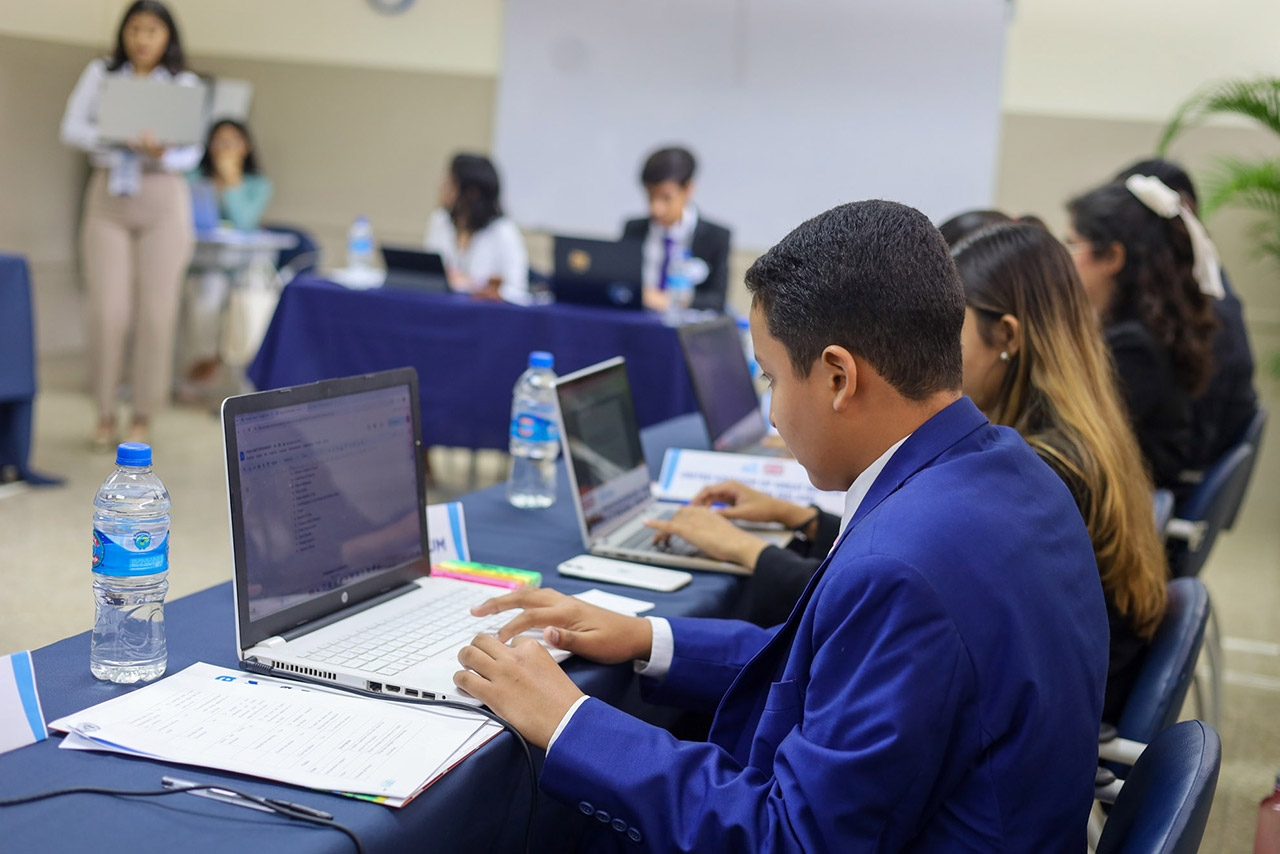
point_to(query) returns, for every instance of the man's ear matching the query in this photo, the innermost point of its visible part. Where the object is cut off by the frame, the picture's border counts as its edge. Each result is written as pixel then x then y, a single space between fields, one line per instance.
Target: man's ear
pixel 840 376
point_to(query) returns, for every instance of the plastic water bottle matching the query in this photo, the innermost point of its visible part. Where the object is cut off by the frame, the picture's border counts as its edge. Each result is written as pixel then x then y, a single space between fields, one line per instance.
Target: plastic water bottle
pixel 130 570
pixel 679 289
pixel 535 440
pixel 360 244
pixel 1266 839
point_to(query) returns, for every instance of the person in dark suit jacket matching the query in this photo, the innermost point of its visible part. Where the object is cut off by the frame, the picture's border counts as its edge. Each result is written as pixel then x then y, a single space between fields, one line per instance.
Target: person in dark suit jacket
pixel 1220 415
pixel 1138 267
pixel 938 686
pixel 674 226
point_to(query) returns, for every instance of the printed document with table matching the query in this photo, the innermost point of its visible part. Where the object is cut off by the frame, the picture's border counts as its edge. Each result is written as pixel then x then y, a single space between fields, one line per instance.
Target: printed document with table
pixel 330 544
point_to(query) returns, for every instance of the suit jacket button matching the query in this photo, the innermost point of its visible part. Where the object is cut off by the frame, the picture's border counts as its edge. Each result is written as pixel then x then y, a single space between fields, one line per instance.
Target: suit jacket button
pixel 619 825
pixel 634 835
pixel 586 808
pixel 602 816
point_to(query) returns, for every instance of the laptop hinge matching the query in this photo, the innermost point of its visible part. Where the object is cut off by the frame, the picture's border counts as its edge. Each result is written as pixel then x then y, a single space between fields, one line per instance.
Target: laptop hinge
pixel 271 642
pixel 321 622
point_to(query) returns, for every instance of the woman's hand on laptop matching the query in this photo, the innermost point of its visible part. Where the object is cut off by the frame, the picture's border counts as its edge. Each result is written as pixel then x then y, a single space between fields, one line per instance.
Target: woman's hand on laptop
pixel 572 625
pixel 711 532
pixel 749 505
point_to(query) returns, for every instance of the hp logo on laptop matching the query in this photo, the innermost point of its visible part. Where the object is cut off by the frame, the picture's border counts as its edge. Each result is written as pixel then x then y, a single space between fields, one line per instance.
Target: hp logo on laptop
pixel 344 597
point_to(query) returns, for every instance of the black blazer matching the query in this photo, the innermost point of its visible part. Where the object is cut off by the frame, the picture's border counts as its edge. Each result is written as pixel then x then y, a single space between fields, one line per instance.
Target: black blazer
pixel 1220 415
pixel 711 244
pixel 1159 405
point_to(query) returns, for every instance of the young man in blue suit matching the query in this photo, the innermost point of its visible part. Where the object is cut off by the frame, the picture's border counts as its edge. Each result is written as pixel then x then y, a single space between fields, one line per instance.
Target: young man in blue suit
pixel 938 687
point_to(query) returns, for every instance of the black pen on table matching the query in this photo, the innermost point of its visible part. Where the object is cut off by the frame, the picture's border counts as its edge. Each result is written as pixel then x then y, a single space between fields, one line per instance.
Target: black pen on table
pixel 226 796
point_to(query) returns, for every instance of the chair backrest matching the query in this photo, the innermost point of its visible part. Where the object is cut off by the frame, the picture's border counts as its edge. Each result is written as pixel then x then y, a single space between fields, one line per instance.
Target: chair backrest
pixel 1165 801
pixel 307 250
pixel 1212 503
pixel 1162 506
pixel 1252 436
pixel 1157 694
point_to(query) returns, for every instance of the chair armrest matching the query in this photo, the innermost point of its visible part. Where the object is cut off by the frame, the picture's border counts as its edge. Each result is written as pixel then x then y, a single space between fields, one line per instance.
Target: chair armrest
pixel 1190 532
pixel 1121 750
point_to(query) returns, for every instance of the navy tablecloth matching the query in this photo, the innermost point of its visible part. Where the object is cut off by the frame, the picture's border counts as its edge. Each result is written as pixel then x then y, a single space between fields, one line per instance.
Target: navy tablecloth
pixel 479 806
pixel 468 353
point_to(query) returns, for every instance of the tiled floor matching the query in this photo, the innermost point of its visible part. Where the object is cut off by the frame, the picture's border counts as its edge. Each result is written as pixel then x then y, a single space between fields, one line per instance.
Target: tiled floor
pixel 45 565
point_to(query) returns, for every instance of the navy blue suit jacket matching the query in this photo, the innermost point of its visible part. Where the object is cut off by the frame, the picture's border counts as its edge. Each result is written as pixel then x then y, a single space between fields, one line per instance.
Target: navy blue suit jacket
pixel 938 687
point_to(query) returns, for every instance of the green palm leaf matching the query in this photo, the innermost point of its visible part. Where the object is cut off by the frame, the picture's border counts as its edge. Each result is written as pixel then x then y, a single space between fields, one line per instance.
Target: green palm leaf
pixel 1245 183
pixel 1258 100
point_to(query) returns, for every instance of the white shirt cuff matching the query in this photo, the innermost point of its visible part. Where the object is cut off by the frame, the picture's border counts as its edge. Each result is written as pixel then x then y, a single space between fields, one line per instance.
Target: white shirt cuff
pixel 661 652
pixel 564 721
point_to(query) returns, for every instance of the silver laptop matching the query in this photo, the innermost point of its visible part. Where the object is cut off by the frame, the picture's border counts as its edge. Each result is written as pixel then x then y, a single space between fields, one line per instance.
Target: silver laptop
pixel 722 383
pixel 608 475
pixel 129 105
pixel 329 539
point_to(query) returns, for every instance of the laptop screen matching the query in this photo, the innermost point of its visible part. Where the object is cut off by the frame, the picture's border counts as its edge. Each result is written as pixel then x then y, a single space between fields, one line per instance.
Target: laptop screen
pixel 722 382
pixel 328 495
pixel 603 440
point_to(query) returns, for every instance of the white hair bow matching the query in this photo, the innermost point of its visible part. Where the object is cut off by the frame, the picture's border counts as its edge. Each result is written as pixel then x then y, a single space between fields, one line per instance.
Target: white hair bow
pixel 1166 202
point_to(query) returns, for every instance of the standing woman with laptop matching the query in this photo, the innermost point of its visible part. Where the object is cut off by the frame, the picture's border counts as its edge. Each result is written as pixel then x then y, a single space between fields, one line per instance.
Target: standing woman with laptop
pixel 483 251
pixel 137 235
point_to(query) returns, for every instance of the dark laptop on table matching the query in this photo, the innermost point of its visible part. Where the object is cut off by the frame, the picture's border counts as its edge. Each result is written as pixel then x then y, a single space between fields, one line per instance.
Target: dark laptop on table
pixel 329 540
pixel 597 272
pixel 414 270
pixel 722 383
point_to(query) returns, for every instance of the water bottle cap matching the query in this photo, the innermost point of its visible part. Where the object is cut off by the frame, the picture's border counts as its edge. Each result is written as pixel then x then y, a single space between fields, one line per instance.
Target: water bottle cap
pixel 541 359
pixel 133 454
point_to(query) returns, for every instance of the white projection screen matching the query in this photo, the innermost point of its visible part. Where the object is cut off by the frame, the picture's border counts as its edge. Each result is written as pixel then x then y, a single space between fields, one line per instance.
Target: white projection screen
pixel 792 106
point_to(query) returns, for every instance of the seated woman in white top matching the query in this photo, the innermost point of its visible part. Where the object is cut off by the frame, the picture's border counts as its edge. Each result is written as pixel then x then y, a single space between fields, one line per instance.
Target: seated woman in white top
pixel 483 251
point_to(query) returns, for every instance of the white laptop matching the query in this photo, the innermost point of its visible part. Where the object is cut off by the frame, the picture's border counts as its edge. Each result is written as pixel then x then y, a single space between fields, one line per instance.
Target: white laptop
pixel 329 540
pixel 608 475
pixel 726 395
pixel 129 105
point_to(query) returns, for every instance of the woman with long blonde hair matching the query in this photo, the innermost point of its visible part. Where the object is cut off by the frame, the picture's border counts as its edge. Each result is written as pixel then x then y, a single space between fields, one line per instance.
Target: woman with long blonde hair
pixel 1035 360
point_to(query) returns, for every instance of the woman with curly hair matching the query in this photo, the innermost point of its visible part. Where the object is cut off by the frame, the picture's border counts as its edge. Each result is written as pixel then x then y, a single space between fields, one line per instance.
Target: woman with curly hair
pixel 1132 244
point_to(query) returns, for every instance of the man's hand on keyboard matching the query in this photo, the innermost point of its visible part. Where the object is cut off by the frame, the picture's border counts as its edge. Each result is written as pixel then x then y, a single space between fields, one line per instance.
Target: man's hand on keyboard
pixel 711 532
pixel 573 625
pixel 522 683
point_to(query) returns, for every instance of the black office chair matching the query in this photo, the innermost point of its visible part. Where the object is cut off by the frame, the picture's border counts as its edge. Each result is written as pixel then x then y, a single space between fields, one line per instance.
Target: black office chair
pixel 1164 804
pixel 1157 695
pixel 1252 436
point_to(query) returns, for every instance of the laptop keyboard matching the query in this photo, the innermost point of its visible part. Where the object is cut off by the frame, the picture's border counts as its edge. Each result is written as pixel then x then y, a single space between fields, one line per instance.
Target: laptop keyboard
pixel 642 539
pixel 402 641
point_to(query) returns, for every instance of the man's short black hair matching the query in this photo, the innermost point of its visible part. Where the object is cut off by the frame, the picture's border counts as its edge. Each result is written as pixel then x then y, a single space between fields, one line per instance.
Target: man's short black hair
pixel 669 164
pixel 876 278
pixel 1173 175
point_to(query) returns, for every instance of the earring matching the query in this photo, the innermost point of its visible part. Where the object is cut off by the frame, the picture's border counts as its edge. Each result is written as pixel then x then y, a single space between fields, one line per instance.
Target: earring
pixel 1004 356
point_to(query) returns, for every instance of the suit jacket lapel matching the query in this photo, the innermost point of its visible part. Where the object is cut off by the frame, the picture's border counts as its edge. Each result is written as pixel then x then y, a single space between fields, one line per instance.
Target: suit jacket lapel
pixel 730 728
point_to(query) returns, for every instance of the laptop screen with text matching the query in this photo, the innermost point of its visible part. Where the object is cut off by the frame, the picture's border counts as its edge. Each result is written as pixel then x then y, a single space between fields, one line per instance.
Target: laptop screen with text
pixel 328 490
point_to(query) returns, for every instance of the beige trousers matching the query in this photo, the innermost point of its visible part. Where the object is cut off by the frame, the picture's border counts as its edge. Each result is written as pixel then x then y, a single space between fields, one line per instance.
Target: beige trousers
pixel 135 252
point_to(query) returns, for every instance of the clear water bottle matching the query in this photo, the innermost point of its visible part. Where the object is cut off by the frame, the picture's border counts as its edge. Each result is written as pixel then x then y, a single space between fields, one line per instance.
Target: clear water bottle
pixel 360 244
pixel 130 570
pixel 535 440
pixel 679 289
pixel 1266 839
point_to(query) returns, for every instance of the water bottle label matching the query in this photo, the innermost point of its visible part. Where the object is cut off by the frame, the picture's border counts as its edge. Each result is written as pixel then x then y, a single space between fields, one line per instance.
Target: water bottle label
pixel 140 554
pixel 531 428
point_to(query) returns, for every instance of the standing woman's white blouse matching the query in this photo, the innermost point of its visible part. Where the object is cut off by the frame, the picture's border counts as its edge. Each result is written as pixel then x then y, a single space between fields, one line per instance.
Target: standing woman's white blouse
pixel 80 122
pixel 494 252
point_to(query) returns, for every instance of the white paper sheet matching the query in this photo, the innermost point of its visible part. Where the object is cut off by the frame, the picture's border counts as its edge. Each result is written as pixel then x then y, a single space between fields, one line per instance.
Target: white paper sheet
pixel 219 718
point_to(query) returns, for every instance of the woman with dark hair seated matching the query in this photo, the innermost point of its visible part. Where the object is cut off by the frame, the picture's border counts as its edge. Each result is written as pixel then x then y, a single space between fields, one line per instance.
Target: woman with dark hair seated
pixel 1133 246
pixel 230 165
pixel 1034 361
pixel 483 250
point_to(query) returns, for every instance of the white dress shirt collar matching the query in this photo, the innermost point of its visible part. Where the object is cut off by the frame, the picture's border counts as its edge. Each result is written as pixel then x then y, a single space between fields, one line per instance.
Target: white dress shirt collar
pixel 862 484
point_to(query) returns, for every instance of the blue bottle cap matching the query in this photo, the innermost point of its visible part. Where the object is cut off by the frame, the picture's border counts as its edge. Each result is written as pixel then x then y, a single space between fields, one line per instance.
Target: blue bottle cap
pixel 133 454
pixel 541 359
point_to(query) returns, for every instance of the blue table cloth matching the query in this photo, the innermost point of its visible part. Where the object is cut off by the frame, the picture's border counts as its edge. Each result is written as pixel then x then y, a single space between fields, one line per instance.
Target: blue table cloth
pixel 479 806
pixel 468 353
pixel 17 367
